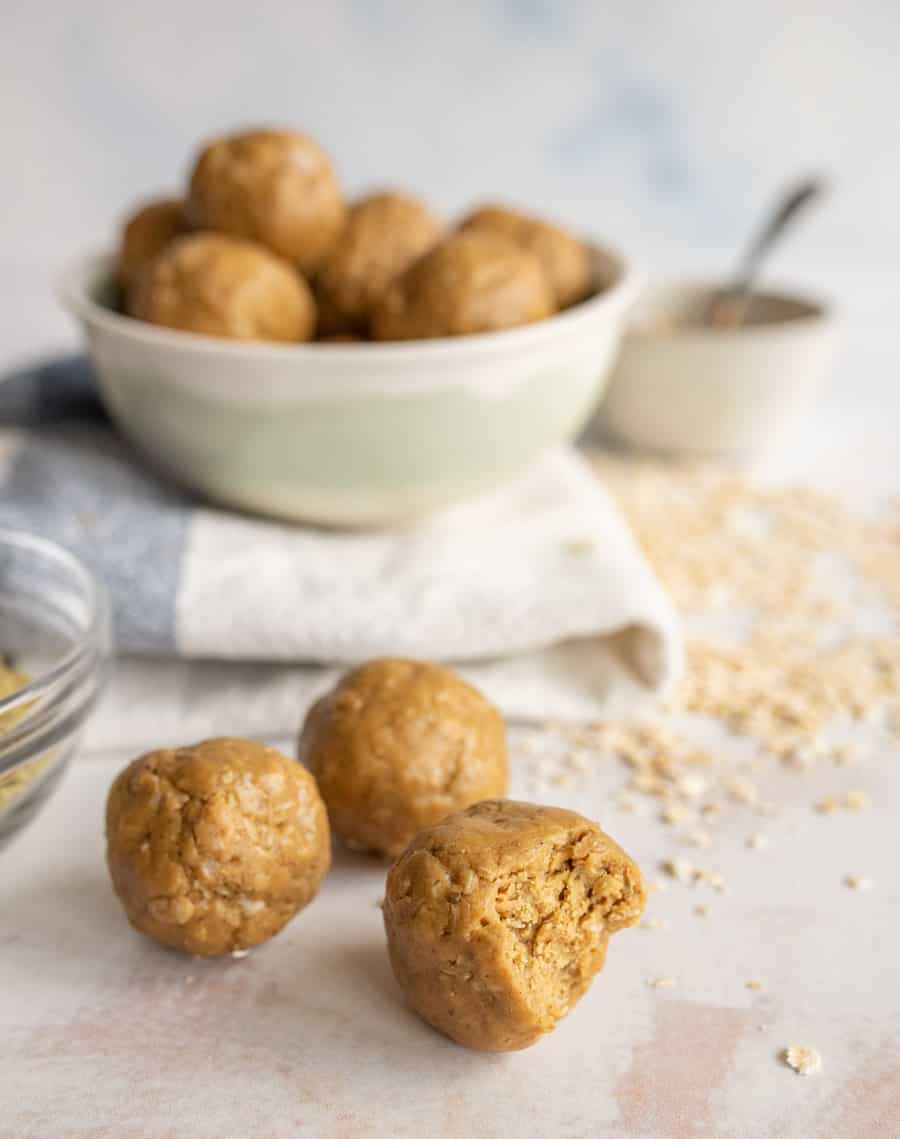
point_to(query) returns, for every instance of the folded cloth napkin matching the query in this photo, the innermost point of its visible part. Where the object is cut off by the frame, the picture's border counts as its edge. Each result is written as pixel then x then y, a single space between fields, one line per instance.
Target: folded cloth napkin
pixel 543 570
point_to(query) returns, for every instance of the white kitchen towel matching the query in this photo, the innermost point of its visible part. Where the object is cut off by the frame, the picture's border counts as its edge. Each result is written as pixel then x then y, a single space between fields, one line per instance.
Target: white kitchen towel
pixel 541 561
pixel 538 589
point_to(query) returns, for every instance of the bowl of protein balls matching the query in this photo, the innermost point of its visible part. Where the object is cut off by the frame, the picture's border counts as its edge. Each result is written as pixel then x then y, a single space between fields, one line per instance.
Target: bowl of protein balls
pixel 279 348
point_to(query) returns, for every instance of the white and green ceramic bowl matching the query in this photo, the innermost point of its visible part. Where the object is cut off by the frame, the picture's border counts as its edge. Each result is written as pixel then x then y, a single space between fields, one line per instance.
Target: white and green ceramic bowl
pixel 350 434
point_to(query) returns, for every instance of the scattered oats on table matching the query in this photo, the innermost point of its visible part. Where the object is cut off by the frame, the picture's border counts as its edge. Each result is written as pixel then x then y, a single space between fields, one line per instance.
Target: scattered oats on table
pixel 655 923
pixel 579 546
pixel 692 786
pixel 662 983
pixel 743 791
pixel 802 1059
pixel 830 805
pixel 858 882
pixel 715 536
pixel 680 869
pixel 675 813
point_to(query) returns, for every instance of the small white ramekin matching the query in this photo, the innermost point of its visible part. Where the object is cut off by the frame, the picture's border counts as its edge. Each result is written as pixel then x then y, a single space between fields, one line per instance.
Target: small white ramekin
pixel 684 387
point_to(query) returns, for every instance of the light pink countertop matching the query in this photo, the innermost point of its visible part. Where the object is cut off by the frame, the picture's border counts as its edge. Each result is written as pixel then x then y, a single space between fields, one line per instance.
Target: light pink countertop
pixel 106 1035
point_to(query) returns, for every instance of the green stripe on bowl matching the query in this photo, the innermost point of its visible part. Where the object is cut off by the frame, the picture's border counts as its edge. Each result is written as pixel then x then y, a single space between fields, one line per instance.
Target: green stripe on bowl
pixel 435 439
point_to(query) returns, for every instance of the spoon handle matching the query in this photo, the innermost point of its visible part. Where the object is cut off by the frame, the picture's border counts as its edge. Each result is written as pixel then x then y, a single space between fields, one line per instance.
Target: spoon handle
pixel 729 305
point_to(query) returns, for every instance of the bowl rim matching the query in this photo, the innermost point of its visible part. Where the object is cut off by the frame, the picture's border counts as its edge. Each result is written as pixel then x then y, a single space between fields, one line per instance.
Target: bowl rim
pixel 86 272
pixel 91 644
pixel 820 311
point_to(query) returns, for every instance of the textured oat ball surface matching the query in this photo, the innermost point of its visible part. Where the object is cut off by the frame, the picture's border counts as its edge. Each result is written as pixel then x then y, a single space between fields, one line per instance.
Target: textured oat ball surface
pixel 399 744
pixel 385 232
pixel 565 260
pixel 472 282
pixel 276 187
pixel 223 286
pixel 498 918
pixel 147 232
pixel 213 848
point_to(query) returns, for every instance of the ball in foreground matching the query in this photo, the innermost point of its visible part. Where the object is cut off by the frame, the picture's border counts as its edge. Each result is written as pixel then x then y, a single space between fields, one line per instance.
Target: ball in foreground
pixel 399 744
pixel 213 848
pixel 498 918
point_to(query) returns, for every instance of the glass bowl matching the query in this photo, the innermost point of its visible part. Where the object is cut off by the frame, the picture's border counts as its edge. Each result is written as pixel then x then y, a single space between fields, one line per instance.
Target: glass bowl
pixel 54 629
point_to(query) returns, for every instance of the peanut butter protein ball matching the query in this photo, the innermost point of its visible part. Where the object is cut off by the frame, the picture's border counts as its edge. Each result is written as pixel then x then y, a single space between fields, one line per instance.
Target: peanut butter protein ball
pixel 565 260
pixel 147 232
pixel 472 282
pixel 213 848
pixel 276 187
pixel 385 232
pixel 399 744
pixel 224 286
pixel 498 918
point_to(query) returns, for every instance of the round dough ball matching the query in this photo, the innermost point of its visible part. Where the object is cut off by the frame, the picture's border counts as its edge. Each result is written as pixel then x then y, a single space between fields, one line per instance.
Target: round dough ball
pixel 275 187
pixel 224 286
pixel 497 919
pixel 564 259
pixel 146 232
pixel 213 848
pixel 472 282
pixel 385 233
pixel 399 744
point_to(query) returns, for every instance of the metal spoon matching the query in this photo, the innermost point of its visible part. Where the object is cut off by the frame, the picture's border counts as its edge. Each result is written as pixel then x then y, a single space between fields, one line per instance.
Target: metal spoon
pixel 728 307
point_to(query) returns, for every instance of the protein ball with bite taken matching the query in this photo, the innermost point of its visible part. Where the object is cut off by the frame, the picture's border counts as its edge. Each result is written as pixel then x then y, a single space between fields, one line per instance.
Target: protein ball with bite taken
pixel 224 286
pixel 147 232
pixel 385 233
pixel 565 260
pixel 472 282
pixel 213 848
pixel 399 744
pixel 498 918
pixel 276 187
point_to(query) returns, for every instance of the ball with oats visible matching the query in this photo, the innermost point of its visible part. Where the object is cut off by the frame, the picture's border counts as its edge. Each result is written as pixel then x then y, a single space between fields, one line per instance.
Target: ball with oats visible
pixel 147 232
pixel 472 282
pixel 498 918
pixel 223 286
pixel 399 744
pixel 213 848
pixel 565 260
pixel 277 187
pixel 385 232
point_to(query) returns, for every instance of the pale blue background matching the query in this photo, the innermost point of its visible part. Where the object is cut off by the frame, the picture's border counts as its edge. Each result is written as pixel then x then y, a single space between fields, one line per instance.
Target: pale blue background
pixel 664 126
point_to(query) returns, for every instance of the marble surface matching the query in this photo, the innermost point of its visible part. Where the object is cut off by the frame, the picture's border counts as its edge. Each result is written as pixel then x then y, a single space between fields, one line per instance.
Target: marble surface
pixel 106 1035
